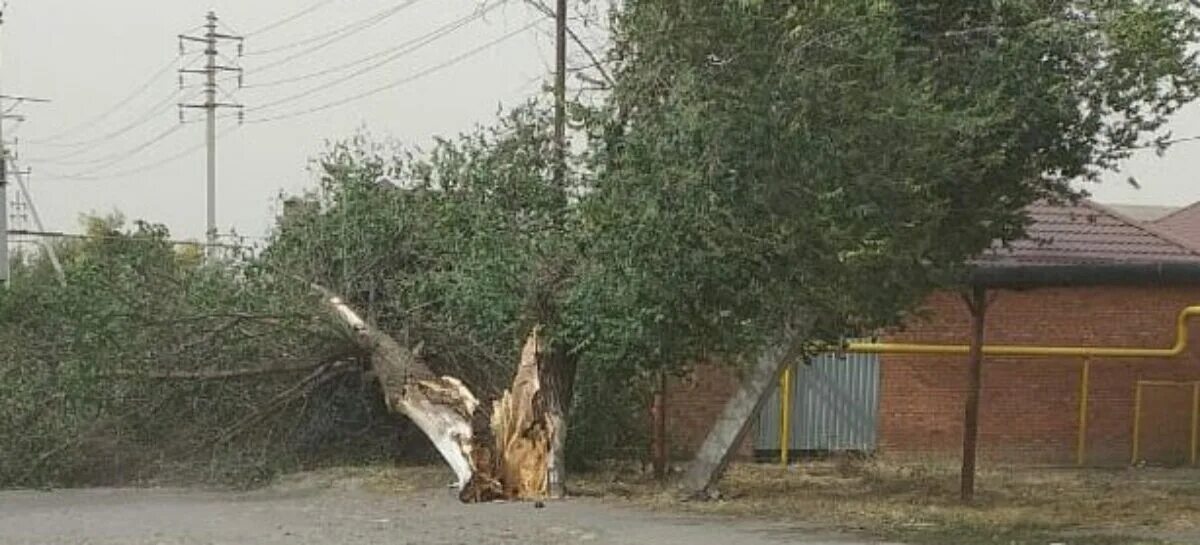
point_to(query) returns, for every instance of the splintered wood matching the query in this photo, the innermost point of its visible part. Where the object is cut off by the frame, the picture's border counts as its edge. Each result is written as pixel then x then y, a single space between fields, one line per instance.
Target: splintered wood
pixel 503 450
pixel 512 456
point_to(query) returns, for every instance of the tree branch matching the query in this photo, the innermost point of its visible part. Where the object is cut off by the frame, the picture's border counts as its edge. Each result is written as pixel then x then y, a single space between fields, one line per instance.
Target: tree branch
pixel 211 375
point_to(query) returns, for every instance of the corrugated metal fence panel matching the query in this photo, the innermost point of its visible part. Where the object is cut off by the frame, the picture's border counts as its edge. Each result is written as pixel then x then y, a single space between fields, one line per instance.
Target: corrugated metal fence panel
pixel 835 406
pixel 768 424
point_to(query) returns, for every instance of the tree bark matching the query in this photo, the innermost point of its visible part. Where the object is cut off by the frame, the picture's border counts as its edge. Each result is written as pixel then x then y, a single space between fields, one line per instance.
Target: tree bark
pixel 711 461
pixel 442 407
pixel 527 429
pixel 212 375
pixel 557 370
pixel 509 449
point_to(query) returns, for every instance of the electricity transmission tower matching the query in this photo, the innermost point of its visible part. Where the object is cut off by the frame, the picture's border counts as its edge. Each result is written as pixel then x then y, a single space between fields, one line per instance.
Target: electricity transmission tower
pixel 212 40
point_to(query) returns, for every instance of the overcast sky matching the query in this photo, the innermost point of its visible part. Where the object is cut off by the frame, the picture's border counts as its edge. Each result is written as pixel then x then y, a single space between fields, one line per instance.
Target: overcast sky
pixel 88 55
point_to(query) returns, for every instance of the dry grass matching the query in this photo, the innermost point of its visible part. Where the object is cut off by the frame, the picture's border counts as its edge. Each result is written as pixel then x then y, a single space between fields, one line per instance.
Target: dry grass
pixel 919 503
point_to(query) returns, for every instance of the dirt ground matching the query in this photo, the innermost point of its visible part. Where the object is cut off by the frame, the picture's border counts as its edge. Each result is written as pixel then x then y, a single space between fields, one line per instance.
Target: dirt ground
pixel 918 503
pixel 810 504
pixel 352 511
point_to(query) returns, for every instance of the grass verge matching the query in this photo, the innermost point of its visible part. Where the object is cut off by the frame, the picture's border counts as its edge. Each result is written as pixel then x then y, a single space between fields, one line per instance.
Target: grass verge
pixel 919 503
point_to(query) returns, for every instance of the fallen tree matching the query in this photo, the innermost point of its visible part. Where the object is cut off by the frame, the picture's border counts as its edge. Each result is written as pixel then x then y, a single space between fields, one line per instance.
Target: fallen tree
pixel 508 449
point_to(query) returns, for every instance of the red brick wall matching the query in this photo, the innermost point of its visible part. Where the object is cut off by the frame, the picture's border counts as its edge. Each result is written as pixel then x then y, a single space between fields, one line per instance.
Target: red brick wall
pixel 693 404
pixel 1029 407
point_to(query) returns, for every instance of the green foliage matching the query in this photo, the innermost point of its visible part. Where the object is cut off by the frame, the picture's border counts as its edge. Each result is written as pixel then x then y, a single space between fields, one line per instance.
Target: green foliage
pixel 759 160
pixel 754 163
pixel 443 248
pixel 79 399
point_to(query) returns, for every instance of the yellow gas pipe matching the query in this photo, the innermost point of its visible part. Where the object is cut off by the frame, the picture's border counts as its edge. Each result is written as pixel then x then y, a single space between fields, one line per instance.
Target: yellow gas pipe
pixel 1181 344
pixel 1195 422
pixel 1085 352
pixel 1081 442
pixel 785 416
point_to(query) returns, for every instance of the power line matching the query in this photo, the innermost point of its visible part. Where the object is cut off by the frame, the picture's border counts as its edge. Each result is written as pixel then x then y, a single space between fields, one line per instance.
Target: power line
pixel 123 155
pixel 126 238
pixel 395 51
pixel 403 81
pixel 350 29
pixel 289 19
pixel 322 45
pixel 140 169
pixel 407 49
pixel 142 119
pixel 137 92
pixel 158 108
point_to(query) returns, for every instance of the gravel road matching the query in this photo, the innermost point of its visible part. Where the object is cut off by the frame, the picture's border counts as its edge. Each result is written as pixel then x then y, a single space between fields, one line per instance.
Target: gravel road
pixel 332 515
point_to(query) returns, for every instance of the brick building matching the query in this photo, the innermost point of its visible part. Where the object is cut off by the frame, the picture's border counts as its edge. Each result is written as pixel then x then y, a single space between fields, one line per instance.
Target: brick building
pixel 1087 276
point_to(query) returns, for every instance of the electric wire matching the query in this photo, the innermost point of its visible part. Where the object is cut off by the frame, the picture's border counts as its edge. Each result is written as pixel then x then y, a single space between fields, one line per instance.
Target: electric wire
pixel 403 81
pixel 95 175
pixel 304 53
pixel 272 26
pixel 137 92
pixel 395 52
pixel 142 119
pixel 338 33
pixel 123 155
pixel 150 115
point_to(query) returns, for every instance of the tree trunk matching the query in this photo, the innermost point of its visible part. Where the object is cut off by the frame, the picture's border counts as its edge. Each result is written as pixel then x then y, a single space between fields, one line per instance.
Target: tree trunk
pixel 528 427
pixel 442 407
pixel 509 449
pixel 706 469
pixel 557 369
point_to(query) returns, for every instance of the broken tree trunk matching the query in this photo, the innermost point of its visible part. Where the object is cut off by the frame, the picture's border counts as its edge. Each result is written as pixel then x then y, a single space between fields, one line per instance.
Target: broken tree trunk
pixel 527 428
pixel 442 407
pixel 509 449
pixel 706 469
pixel 557 370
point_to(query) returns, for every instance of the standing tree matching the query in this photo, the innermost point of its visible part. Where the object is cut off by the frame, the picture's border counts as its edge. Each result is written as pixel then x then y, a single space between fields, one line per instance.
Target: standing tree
pixel 774 175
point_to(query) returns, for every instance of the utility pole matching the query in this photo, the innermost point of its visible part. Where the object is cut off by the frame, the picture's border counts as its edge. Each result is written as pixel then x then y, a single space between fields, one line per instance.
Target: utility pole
pixel 23 187
pixel 560 97
pixel 560 374
pixel 4 266
pixel 6 114
pixel 212 40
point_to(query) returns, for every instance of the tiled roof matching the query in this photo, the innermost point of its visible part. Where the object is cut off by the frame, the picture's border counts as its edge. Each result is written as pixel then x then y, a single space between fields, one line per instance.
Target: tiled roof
pixel 1183 225
pixel 1142 212
pixel 1088 234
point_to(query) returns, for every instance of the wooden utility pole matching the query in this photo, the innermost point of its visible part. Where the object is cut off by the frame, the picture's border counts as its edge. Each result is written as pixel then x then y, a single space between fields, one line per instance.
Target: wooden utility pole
pixel 4 266
pixel 560 96
pixel 977 303
pixel 659 414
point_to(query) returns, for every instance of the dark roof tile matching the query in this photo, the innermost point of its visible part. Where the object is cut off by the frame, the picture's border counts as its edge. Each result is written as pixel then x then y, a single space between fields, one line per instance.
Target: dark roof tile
pixel 1087 234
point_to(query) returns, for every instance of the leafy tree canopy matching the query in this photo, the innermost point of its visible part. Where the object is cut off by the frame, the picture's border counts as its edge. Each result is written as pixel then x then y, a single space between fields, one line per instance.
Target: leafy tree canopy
pixel 845 157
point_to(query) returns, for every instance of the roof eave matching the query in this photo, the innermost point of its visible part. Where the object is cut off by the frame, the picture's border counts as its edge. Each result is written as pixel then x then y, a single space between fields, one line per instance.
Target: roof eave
pixel 1100 274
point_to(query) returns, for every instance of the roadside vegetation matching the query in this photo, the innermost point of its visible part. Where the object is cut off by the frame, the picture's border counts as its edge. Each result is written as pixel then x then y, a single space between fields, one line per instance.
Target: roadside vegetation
pixel 748 171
